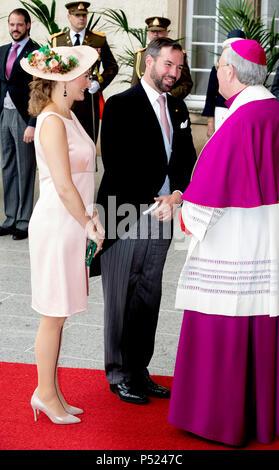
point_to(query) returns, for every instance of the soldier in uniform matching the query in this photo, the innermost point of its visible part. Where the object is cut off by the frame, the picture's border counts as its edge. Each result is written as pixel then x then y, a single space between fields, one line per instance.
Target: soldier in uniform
pixel 158 27
pixel 88 111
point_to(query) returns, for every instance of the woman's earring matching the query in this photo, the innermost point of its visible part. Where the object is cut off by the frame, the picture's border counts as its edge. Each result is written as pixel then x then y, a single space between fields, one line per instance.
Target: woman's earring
pixel 65 91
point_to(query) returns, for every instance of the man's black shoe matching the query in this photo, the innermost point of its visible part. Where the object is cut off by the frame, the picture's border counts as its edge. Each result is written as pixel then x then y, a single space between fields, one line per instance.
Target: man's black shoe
pixel 152 389
pixel 6 231
pixel 126 392
pixel 19 234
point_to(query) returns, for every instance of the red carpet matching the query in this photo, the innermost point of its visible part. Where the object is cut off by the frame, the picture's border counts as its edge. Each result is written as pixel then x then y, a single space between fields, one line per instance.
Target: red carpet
pixel 107 424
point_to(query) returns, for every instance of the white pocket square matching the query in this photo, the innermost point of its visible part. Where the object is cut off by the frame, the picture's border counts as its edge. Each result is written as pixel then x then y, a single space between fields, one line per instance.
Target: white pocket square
pixel 184 124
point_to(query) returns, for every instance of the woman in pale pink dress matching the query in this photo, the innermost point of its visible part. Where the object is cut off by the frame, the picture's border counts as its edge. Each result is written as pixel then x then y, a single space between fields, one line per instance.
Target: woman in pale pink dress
pixel 63 218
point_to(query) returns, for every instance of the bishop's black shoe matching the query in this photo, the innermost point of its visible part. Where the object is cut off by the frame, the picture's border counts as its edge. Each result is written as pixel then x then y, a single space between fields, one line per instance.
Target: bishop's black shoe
pixel 127 392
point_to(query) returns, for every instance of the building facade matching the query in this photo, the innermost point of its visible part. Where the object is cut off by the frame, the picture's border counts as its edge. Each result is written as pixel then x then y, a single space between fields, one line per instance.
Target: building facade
pixel 193 20
pixel 204 39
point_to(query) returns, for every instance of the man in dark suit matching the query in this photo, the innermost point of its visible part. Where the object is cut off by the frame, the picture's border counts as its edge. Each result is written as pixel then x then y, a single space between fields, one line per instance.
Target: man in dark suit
pixel 17 128
pixel 157 27
pixel 147 153
pixel 88 111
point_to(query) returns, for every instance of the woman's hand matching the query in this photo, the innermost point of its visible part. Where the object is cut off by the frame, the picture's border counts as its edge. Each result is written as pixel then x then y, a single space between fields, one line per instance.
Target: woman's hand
pixel 94 231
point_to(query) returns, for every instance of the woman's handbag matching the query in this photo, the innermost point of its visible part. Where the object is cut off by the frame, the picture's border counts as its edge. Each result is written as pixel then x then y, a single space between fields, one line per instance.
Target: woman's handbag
pixel 90 252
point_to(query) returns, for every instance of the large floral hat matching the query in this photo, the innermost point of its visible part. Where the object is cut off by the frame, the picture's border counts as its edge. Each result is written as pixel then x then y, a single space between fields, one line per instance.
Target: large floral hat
pixel 60 63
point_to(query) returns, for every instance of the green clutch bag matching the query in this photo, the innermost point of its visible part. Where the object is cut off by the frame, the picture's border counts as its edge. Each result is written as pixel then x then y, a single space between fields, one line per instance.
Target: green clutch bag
pixel 90 252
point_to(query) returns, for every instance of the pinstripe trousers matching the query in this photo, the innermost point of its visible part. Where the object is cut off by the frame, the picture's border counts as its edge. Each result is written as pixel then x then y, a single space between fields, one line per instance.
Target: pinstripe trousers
pixel 18 170
pixel 132 270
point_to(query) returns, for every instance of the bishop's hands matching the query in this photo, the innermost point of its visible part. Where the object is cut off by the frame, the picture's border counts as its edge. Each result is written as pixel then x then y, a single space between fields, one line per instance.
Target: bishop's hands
pixel 182 225
pixel 210 127
pixel 95 232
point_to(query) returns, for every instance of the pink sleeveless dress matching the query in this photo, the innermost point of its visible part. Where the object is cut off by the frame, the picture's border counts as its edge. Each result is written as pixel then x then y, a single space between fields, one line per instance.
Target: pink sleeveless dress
pixel 57 242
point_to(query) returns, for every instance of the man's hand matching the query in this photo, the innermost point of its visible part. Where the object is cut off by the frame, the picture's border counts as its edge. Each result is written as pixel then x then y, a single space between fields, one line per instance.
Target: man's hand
pixel 28 135
pixel 167 206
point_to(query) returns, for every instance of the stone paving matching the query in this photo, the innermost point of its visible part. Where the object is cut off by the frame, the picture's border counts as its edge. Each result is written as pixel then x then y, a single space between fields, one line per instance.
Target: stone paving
pixel 83 333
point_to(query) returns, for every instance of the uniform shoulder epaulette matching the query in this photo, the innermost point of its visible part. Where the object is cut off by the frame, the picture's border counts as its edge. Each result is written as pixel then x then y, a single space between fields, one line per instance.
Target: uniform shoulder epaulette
pixel 57 34
pixel 99 33
pixel 141 50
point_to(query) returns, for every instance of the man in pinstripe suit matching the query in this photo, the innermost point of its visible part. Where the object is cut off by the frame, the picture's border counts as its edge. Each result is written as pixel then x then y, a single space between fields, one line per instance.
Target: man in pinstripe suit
pixel 146 155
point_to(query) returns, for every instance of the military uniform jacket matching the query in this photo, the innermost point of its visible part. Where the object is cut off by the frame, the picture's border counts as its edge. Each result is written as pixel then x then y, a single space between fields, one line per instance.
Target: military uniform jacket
pixel 98 41
pixel 182 87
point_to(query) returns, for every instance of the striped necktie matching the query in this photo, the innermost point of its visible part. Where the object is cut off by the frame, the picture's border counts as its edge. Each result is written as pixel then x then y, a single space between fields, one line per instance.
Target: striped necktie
pixel 164 120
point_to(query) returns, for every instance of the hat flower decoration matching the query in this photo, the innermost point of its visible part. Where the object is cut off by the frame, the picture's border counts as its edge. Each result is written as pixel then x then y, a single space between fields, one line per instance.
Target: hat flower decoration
pixel 47 60
pixel 60 63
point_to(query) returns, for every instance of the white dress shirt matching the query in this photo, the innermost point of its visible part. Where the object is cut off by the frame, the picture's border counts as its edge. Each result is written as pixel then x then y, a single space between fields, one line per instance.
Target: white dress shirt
pixel 153 96
pixel 73 37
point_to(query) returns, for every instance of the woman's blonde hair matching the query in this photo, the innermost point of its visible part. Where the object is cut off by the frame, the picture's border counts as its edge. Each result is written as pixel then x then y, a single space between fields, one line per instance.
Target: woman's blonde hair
pixel 40 95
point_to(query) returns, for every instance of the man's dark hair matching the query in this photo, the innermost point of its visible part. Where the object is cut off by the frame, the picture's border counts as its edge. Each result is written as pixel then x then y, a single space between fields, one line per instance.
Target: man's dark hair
pixel 23 12
pixel 155 46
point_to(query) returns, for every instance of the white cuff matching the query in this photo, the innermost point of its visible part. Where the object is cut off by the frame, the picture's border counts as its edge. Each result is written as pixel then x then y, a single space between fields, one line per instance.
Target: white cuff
pixel 95 86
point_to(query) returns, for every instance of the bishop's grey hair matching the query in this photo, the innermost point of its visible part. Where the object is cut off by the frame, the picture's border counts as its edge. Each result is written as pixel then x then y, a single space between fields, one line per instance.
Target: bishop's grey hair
pixel 247 72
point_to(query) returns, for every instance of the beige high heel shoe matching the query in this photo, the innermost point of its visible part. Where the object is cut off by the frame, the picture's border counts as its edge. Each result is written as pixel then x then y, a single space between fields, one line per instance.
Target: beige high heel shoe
pixel 38 406
pixel 73 410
